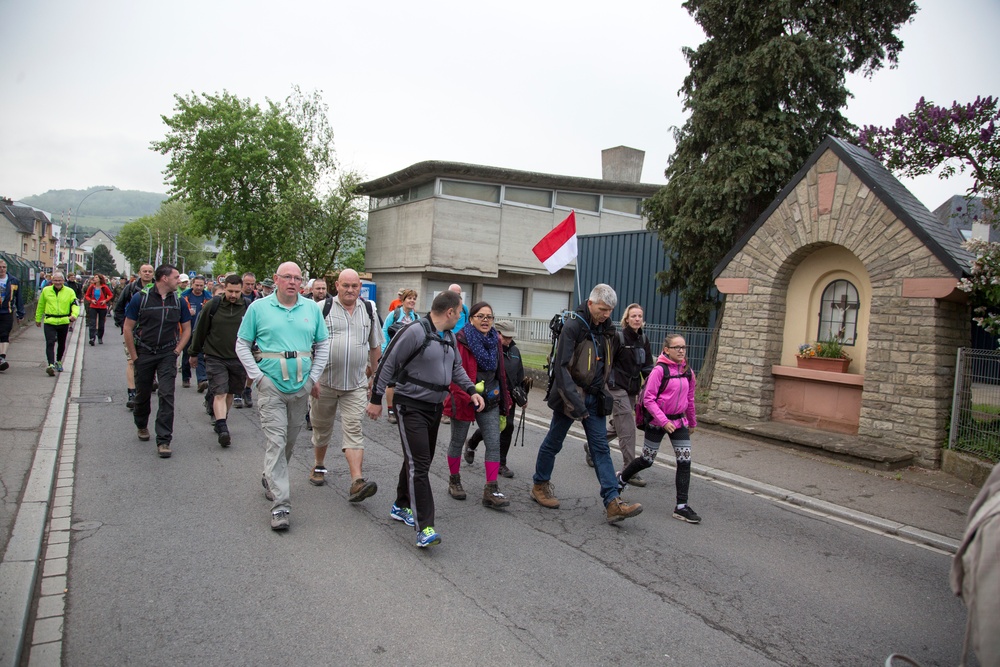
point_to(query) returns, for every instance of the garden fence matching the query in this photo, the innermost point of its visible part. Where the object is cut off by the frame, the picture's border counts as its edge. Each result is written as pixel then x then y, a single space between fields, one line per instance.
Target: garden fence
pixel 975 412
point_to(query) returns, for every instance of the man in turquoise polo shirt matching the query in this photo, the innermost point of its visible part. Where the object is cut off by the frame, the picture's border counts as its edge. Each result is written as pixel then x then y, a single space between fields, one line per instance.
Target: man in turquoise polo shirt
pixel 286 327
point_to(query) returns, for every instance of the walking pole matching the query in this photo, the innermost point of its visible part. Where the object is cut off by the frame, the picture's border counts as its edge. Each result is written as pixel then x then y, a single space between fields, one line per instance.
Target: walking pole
pixel 520 429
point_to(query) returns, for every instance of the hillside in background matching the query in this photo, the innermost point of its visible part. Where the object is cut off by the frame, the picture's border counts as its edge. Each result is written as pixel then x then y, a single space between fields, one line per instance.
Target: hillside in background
pixel 115 204
pixel 104 210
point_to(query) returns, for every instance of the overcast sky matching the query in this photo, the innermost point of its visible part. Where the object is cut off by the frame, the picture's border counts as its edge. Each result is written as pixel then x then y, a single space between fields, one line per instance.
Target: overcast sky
pixel 538 86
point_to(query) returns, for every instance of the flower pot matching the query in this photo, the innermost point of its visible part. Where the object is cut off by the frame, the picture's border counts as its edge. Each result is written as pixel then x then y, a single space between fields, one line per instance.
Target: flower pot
pixel 823 364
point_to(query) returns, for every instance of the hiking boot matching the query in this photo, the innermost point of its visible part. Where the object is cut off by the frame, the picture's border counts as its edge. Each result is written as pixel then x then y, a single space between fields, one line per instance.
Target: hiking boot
pixel 637 481
pixel 505 472
pixel 404 514
pixel 130 403
pixel 224 437
pixel 544 495
pixel 279 520
pixel 92 342
pixel 143 434
pixel 248 397
pixel 238 402
pixel 428 537
pixel 163 450
pixel 268 493
pixel 317 476
pixel 687 514
pixel 619 510
pixel 586 450
pixel 470 454
pixel 455 489
pixel 100 341
pixel 392 417
pixel 51 370
pixel 445 419
pixel 3 364
pixel 361 489
pixel 202 386
pixel 492 497
pixel 59 366
pixel 186 384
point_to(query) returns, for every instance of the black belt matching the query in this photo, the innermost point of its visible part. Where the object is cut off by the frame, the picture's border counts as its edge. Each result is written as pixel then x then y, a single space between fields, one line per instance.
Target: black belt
pixel 677 416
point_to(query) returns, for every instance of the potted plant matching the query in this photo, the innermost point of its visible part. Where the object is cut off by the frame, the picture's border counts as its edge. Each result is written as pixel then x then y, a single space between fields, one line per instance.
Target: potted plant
pixel 824 355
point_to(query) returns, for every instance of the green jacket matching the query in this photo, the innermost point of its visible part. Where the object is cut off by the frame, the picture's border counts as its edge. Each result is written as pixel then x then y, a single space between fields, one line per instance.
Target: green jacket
pixel 215 334
pixel 56 308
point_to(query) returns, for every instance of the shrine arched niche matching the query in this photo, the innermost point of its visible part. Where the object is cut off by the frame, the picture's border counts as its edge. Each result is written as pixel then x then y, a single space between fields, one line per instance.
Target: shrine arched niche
pixel 836 273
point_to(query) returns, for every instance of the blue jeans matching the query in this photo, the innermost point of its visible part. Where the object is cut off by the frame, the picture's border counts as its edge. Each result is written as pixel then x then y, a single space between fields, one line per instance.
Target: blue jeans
pixel 597 440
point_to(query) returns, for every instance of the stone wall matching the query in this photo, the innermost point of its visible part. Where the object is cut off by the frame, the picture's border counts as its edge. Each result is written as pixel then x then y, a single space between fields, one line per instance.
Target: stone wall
pixel 912 341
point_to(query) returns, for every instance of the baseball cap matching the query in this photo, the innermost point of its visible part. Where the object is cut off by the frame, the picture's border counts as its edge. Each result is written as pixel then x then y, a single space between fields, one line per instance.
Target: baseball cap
pixel 505 328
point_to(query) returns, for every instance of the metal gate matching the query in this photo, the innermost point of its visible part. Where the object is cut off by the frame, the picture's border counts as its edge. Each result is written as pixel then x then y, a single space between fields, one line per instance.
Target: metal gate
pixel 975 408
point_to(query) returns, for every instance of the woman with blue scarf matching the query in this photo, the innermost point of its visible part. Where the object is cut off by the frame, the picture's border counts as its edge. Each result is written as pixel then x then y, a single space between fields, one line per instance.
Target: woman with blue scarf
pixel 482 358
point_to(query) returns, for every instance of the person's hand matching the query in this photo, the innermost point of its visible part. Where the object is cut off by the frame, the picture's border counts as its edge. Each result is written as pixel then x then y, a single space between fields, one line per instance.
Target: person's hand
pixel 670 428
pixel 72 318
pixel 373 411
pixel 38 324
pixel 193 361
pixel 479 402
pixel 314 392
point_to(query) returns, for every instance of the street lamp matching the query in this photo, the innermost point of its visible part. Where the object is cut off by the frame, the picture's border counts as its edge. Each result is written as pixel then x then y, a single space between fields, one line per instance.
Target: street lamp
pixel 76 219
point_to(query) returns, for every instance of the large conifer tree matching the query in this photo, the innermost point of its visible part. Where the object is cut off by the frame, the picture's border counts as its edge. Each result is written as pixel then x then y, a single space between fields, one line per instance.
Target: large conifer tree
pixel 765 88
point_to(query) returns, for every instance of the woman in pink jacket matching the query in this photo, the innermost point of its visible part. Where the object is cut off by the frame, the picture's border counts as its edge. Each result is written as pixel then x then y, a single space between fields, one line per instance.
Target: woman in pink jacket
pixel 669 399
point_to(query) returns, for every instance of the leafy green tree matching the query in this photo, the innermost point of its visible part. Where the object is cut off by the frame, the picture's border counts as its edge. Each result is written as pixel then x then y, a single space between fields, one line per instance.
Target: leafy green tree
pixel 246 172
pixel 104 262
pixel 138 240
pixel 322 233
pixel 765 88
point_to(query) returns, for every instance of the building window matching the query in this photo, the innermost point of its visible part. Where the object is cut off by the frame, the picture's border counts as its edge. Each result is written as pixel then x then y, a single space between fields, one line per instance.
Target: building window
pixel 579 201
pixel 422 191
pixel 627 205
pixel 474 191
pixel 528 196
pixel 838 313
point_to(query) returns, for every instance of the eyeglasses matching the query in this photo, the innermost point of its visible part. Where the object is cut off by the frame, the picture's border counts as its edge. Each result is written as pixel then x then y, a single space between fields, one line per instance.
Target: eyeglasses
pixel 483 318
pixel 679 348
pixel 293 279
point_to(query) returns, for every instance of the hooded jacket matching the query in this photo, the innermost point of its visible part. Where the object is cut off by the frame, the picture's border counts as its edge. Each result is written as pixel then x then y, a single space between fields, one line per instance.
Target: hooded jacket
pixel 676 402
pixel 582 363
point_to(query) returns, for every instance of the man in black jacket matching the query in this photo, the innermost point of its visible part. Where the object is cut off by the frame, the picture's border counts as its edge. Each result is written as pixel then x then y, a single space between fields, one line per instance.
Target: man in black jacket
pixel 579 391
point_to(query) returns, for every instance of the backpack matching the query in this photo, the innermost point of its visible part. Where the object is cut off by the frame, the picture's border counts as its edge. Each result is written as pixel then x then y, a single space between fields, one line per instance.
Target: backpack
pixel 396 325
pixel 640 359
pixel 401 375
pixel 556 326
pixel 137 331
pixel 328 304
pixel 642 417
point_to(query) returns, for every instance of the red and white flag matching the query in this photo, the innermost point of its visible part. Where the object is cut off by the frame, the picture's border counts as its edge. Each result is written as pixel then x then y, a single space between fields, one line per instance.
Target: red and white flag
pixel 558 247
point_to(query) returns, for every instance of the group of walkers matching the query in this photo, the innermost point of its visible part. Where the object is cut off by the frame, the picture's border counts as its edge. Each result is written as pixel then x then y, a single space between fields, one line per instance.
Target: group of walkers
pixel 322 350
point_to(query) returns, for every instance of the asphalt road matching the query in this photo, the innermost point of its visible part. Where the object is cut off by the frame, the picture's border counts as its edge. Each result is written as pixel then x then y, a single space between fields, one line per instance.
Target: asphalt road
pixel 172 562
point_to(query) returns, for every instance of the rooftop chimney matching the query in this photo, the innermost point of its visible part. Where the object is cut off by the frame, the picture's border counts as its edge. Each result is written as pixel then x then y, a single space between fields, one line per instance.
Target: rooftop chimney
pixel 622 164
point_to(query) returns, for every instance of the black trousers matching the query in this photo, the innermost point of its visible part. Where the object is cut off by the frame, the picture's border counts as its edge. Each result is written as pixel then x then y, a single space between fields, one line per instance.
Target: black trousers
pixel 95 322
pixel 6 324
pixel 55 341
pixel 162 367
pixel 418 431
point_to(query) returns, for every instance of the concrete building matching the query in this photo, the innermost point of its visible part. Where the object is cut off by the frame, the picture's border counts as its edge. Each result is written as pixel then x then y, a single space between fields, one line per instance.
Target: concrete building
pixel 105 239
pixel 436 223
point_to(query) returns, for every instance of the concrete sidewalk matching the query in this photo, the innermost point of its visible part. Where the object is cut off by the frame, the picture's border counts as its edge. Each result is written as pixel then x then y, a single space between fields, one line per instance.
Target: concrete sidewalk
pixel 33 406
pixel 925 506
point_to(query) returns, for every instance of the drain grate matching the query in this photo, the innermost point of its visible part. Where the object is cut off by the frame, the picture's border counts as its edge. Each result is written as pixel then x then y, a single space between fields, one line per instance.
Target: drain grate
pixel 91 399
